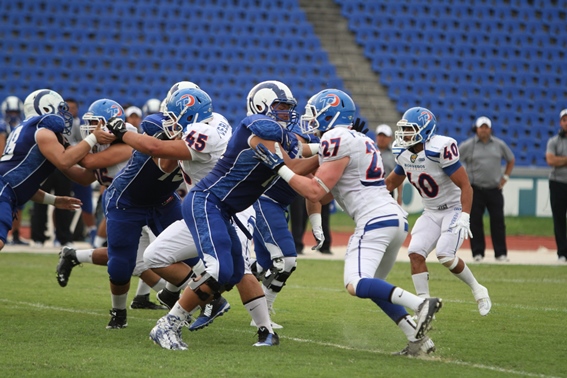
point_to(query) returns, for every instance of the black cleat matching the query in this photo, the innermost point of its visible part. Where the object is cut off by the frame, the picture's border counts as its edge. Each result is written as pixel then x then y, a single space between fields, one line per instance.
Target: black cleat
pixel 167 298
pixel 117 320
pixel 142 302
pixel 425 315
pixel 67 260
pixel 265 338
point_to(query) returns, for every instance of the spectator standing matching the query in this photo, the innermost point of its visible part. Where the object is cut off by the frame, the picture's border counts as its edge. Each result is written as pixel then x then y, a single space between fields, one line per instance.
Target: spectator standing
pixel 480 155
pixel 556 157
pixel 133 116
pixel 384 142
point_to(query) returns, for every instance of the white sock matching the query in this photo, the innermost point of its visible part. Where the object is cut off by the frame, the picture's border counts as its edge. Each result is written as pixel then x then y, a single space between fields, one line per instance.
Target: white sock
pixel 171 287
pixel 99 241
pixel 270 296
pixel 467 277
pixel 407 325
pixel 143 288
pixel 85 255
pixel 406 299
pixel 258 310
pixel 179 311
pixel 421 284
pixel 119 301
pixel 159 285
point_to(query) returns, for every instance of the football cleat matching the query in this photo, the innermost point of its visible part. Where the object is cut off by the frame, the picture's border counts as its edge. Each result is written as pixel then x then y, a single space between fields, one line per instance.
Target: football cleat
pixel 167 298
pixel 143 302
pixel 483 300
pixel 167 333
pixel 425 313
pixel 417 348
pixel 265 338
pixel 211 311
pixel 67 261
pixel 117 319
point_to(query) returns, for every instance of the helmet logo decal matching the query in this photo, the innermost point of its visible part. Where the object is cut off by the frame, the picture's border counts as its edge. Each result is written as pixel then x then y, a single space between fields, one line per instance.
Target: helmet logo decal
pixel 425 116
pixel 330 100
pixel 186 101
pixel 115 111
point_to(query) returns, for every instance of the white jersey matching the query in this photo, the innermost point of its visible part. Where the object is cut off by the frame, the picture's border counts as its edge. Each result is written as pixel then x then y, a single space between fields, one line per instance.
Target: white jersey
pixel 361 190
pixel 105 175
pixel 429 172
pixel 207 143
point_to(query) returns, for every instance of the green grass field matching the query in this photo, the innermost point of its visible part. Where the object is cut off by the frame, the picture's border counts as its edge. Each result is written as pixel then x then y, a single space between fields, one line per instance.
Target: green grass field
pixel 533 226
pixel 51 331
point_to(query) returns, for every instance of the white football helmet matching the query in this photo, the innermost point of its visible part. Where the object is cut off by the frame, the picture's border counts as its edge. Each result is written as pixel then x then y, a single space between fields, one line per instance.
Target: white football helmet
pixel 152 106
pixel 46 101
pixel 265 97
pixel 12 110
pixel 174 88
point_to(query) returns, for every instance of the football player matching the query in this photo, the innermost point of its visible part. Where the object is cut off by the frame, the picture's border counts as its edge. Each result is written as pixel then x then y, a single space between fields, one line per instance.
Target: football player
pixel 34 150
pixel 351 171
pixel 431 164
pixel 103 164
pixel 234 184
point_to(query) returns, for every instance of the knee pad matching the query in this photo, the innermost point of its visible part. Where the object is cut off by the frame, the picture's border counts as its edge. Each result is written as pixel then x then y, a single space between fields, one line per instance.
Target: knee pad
pixel 213 284
pixel 449 262
pixel 275 281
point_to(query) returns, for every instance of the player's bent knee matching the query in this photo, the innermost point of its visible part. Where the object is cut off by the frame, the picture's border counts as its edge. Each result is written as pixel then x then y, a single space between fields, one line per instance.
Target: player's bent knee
pixel 275 281
pixel 211 283
pixel 448 261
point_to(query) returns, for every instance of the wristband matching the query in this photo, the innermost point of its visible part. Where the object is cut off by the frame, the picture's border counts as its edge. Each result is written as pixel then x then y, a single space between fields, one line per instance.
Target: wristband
pixel 316 220
pixel 506 177
pixel 285 173
pixel 314 148
pixel 49 199
pixel 91 140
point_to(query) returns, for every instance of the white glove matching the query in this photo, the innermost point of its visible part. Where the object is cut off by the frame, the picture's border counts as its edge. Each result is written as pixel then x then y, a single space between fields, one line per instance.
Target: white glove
pixel 317 228
pixel 462 223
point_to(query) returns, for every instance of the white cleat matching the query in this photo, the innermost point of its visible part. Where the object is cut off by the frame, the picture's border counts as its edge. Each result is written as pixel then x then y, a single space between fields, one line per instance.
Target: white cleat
pixel 167 333
pixel 483 300
pixel 274 325
pixel 417 348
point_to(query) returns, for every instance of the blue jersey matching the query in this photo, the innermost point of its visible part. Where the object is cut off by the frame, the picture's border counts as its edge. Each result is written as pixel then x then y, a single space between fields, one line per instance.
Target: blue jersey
pixel 4 127
pixel 279 190
pixel 141 183
pixel 22 165
pixel 238 178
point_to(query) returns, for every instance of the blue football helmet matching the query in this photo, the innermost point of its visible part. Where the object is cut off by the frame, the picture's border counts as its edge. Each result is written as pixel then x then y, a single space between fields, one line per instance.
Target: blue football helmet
pixel 186 107
pixel 12 110
pixel 274 99
pixel 101 110
pixel 46 101
pixel 328 109
pixel 174 88
pixel 416 126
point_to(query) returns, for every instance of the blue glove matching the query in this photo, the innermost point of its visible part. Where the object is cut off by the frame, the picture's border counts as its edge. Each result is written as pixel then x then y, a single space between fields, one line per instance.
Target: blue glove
pixel 292 145
pixel 274 161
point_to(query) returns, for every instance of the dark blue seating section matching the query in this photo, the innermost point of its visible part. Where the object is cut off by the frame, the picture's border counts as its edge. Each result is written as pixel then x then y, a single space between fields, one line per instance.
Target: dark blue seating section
pixel 133 50
pixel 467 58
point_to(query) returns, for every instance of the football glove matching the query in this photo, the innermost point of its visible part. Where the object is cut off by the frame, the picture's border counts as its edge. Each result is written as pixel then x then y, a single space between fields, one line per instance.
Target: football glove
pixel 117 127
pixel 462 224
pixel 360 126
pixel 317 229
pixel 274 161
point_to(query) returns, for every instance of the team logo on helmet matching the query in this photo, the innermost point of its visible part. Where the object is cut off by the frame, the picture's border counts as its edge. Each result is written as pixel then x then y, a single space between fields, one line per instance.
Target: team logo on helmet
pixel 186 101
pixel 331 100
pixel 115 111
pixel 425 116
